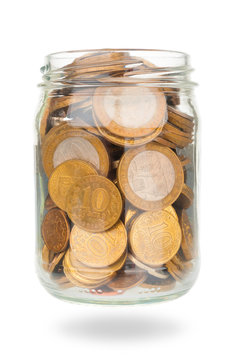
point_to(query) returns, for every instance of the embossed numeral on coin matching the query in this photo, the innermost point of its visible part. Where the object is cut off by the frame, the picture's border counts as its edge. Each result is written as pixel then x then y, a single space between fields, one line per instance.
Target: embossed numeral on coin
pixel 98 200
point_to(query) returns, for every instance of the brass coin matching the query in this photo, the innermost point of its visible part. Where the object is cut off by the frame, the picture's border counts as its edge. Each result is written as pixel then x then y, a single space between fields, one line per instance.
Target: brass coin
pixel 155 237
pixel 99 249
pixel 178 140
pixel 174 130
pixel 55 230
pixel 125 141
pixel 172 211
pixel 66 142
pixel 185 199
pixel 44 118
pixel 129 111
pixel 164 142
pixel 177 118
pixel 125 280
pixel 47 257
pixel 150 177
pixel 55 261
pixel 159 273
pixel 49 204
pixel 88 272
pixel 66 175
pixel 94 203
pixel 178 268
pixel 187 244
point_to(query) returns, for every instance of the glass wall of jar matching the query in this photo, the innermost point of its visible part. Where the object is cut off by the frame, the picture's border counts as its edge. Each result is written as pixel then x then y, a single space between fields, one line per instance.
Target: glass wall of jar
pixel 116 176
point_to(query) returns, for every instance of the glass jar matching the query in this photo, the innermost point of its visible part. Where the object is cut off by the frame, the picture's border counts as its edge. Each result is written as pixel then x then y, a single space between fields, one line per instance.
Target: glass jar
pixel 116 176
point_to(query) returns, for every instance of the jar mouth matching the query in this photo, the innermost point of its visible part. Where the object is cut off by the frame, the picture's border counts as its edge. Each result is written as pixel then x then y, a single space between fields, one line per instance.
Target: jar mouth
pixel 150 67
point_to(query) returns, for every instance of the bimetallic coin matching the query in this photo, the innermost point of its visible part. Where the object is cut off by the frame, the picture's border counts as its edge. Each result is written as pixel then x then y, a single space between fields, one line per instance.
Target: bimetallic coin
pixel 55 230
pixel 64 176
pixel 185 200
pixel 99 249
pixel 125 141
pixel 66 142
pixel 130 111
pixel 155 237
pixel 94 203
pixel 187 245
pixel 150 177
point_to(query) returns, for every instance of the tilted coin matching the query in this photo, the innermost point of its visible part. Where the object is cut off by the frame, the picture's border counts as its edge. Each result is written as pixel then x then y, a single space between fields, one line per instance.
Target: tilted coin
pixel 94 203
pixel 125 280
pixel 78 280
pixel 158 285
pixel 159 273
pixel 64 176
pixel 44 118
pixel 150 177
pixel 55 230
pixel 155 237
pixel 66 142
pixel 125 141
pixel 49 204
pixel 177 267
pixel 174 130
pixel 164 142
pixel 129 111
pixel 55 261
pixel 187 245
pixel 47 256
pixel 99 249
pixel 183 121
pixel 129 216
pixel 184 201
pixel 178 140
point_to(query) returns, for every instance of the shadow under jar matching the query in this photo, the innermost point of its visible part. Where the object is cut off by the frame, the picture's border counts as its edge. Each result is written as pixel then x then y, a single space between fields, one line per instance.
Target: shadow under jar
pixel 116 176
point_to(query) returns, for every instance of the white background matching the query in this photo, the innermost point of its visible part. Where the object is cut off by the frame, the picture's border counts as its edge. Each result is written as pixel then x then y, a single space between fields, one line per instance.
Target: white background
pixel 202 324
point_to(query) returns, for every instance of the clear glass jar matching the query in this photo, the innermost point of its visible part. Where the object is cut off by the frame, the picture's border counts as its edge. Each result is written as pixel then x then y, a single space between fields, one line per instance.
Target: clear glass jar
pixel 116 176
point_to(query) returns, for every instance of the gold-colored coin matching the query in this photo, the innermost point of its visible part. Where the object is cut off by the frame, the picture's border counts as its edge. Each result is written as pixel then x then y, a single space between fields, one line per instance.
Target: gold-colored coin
pixel 55 230
pixel 179 119
pixel 164 142
pixel 66 142
pixel 126 279
pixel 155 237
pixel 55 261
pixel 130 215
pixel 99 249
pixel 159 273
pixel 64 176
pixel 120 109
pixel 47 257
pixel 178 268
pixel 78 280
pixel 185 200
pixel 124 141
pixel 94 203
pixel 172 211
pixel 150 177
pixel 187 245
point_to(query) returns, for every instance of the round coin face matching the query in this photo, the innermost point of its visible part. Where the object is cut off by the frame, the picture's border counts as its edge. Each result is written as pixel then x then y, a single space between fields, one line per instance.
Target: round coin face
pixel 55 230
pixel 99 249
pixel 155 237
pixel 64 176
pixel 66 142
pixel 129 111
pixel 94 203
pixel 150 177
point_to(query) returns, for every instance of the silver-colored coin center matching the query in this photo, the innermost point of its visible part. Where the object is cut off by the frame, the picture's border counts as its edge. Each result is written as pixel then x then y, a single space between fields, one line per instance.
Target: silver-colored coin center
pixel 151 175
pixel 76 148
pixel 131 108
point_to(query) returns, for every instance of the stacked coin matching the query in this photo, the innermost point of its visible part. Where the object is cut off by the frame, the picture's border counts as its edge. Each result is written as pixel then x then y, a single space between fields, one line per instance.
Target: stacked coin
pixel 116 162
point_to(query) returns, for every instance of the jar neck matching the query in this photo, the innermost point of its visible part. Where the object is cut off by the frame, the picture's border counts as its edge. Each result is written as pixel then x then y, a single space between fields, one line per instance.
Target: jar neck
pixel 116 67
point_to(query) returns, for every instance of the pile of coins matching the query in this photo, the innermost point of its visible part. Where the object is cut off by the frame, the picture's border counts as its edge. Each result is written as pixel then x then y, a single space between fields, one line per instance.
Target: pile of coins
pixel 115 216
